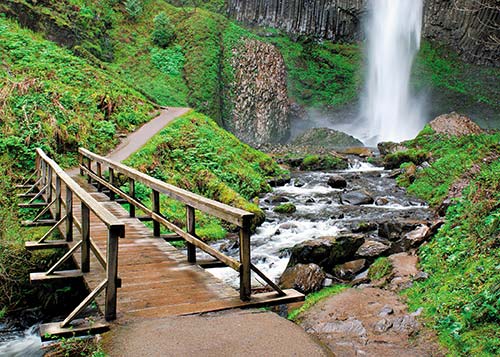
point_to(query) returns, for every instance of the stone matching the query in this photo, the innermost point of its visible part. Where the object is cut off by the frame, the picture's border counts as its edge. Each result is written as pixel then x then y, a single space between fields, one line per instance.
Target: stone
pixel 358 151
pixel 279 199
pixel 386 310
pixel 421 276
pixel 326 138
pixel 326 252
pixel 454 124
pixel 381 201
pixel 258 94
pixel 279 181
pixel 382 326
pixel 363 227
pixel 356 198
pixel 298 183
pixel 288 226
pixel 394 230
pixel 389 147
pixel 348 271
pixel 372 248
pixel 417 235
pixel 286 208
pixel 337 181
pixel 306 278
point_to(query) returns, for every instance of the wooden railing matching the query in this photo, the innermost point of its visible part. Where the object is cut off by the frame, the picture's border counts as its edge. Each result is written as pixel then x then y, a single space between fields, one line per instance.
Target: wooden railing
pixel 50 182
pixel 92 165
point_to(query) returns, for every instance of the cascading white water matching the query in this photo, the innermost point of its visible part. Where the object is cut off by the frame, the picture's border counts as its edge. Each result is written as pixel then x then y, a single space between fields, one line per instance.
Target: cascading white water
pixel 393 30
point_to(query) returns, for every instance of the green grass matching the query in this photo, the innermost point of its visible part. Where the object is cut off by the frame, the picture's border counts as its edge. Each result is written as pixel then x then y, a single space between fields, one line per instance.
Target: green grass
pixel 380 268
pixel 461 298
pixel 314 298
pixel 194 153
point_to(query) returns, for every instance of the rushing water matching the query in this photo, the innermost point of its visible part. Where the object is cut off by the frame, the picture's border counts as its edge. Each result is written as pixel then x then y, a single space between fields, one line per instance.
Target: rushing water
pixel 393 30
pixel 15 343
pixel 319 213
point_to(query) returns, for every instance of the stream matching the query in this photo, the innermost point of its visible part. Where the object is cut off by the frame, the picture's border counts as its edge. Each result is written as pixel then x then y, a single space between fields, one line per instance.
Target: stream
pixel 320 212
pixel 16 342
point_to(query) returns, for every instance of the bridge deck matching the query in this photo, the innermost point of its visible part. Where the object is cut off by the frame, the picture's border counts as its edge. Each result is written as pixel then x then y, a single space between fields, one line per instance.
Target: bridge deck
pixel 157 281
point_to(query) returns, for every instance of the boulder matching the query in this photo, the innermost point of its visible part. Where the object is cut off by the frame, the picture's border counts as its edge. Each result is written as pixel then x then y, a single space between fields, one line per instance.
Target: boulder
pixel 389 147
pixel 362 227
pixel 395 230
pixel 326 252
pixel 371 248
pixel 381 201
pixel 454 124
pixel 337 181
pixel 349 270
pixel 416 236
pixel 356 198
pixel 326 138
pixel 286 208
pixel 306 278
pixel 360 151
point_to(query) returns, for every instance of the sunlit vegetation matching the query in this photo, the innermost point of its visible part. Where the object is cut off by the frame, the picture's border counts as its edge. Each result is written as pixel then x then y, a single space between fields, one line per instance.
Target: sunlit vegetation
pixel 314 298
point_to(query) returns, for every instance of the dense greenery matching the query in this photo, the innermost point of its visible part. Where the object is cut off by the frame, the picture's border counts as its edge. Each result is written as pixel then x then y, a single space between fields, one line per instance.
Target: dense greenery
pixel 461 299
pixel 194 153
pixel 52 99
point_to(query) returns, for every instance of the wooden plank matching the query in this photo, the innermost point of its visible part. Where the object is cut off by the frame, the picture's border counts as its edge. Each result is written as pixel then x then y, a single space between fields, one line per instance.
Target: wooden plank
pixel 85 251
pixel 156 209
pixel 230 214
pixel 190 227
pixel 32 205
pixel 53 330
pixel 209 264
pixel 245 273
pixel 57 275
pixel 49 244
pixel 39 223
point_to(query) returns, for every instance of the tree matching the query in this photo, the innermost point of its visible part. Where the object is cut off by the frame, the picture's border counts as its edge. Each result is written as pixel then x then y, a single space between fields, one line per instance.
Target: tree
pixel 163 33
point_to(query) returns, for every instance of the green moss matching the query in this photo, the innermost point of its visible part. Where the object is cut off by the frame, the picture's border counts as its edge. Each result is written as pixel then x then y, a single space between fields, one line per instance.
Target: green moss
pixel 380 268
pixel 286 208
pixel 322 162
pixel 314 298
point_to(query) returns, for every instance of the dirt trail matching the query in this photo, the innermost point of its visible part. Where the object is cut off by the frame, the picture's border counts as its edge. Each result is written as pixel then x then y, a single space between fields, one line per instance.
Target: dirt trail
pixel 140 137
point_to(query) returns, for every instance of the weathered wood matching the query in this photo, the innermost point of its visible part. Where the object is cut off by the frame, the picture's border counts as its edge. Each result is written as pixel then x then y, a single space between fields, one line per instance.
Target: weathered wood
pixel 57 213
pixel 209 264
pixel 53 330
pixel 156 209
pixel 171 237
pixel 111 172
pixel 51 230
pixel 245 274
pixel 190 227
pixel 64 258
pixel 32 205
pixel 49 184
pixel 69 215
pixel 84 304
pixel 267 280
pixel 85 250
pixel 43 211
pixel 111 275
pixel 217 209
pixel 131 189
pixel 57 275
pixel 39 223
pixel 51 244
pixel 99 173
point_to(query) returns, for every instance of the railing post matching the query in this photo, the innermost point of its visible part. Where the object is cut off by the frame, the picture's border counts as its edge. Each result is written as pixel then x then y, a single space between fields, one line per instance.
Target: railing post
pixel 131 190
pixel 114 233
pixel 112 183
pixel 44 173
pixel 85 249
pixel 156 209
pixel 69 215
pixel 58 198
pixel 245 273
pixel 99 174
pixel 80 161
pixel 88 166
pixel 190 227
pixel 49 183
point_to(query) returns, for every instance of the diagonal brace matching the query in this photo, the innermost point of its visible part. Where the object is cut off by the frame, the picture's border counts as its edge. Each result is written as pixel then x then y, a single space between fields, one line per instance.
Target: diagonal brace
pixel 63 258
pixel 45 210
pixel 84 303
pixel 52 229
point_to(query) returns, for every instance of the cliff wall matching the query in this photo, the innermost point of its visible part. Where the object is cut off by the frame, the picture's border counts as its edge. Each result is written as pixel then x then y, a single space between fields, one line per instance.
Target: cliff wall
pixel 470 27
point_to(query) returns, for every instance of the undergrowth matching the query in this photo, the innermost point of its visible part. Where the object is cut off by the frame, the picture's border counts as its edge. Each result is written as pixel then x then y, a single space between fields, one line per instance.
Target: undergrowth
pixel 314 298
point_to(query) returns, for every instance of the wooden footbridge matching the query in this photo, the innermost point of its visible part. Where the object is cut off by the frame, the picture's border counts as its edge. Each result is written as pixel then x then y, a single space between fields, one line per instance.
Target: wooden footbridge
pixel 131 271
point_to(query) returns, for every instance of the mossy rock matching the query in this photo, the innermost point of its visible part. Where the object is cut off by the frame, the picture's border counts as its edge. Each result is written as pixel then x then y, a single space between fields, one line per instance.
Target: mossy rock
pixel 381 268
pixel 323 162
pixel 286 208
pixel 326 138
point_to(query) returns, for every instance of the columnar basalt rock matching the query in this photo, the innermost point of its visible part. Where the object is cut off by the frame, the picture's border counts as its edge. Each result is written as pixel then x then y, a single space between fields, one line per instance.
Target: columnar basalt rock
pixel 470 27
pixel 259 94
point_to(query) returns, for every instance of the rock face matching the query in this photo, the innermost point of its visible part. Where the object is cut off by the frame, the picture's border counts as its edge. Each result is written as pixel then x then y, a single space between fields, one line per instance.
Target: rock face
pixel 306 278
pixel 471 27
pixel 338 20
pixel 259 94
pixel 455 124
pixel 326 138
pixel 326 252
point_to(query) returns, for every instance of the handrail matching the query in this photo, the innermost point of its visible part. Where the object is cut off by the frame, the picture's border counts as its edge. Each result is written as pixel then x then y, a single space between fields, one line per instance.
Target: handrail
pixel 104 215
pixel 192 201
pixel 48 170
pixel 220 210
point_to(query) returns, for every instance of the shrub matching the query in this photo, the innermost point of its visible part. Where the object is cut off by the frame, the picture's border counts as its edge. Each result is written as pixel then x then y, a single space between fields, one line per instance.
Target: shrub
pixel 133 8
pixel 163 33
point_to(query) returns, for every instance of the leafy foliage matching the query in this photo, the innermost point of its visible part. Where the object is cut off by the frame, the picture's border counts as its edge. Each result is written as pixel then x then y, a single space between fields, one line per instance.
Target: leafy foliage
pixel 163 33
pixel 133 8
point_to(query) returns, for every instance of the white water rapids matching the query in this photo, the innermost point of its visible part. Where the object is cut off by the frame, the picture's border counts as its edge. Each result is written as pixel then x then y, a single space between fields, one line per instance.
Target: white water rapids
pixel 393 30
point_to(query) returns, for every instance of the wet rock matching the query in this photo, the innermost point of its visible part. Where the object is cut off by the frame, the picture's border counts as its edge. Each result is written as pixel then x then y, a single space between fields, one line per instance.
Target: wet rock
pixel 394 230
pixel 298 183
pixel 388 147
pixel 286 208
pixel 358 151
pixel 337 181
pixel 372 248
pixel 338 216
pixel 394 173
pixel 326 138
pixel 386 310
pixel 454 124
pixel 279 181
pixel 288 225
pixel 361 278
pixel 356 198
pixel 381 201
pixel 297 112
pixel 326 252
pixel 279 199
pixel 306 278
pixel 418 235
pixel 363 227
pixel 310 201
pixel 348 271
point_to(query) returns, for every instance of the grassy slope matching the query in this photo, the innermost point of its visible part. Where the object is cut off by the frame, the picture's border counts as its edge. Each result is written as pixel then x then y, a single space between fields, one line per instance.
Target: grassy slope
pixel 196 154
pixel 52 99
pixel 461 299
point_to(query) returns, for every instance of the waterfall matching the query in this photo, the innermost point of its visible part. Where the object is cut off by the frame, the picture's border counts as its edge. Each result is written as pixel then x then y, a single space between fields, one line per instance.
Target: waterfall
pixel 393 31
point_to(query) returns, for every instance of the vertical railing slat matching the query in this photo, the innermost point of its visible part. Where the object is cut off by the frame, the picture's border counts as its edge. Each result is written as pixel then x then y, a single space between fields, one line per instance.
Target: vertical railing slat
pixel 131 189
pixel 69 215
pixel 85 249
pixel 156 209
pixel 190 227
